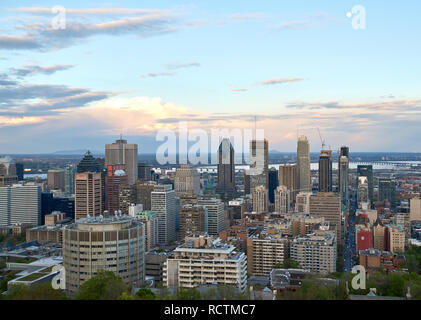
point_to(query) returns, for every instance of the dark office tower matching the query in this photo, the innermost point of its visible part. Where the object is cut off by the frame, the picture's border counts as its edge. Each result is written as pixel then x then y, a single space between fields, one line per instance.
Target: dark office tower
pixel 325 171
pixel 88 164
pixel 116 177
pixel 69 179
pixel 126 196
pixel 344 152
pixel 143 194
pixel 387 191
pixel 259 162
pixel 144 172
pixel 343 174
pixel 273 183
pixel 19 171
pixel 226 170
pixel 367 171
pixel 246 183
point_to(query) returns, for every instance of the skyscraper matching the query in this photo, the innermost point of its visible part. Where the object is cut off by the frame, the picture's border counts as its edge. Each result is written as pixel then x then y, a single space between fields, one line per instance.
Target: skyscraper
pixel 122 153
pixel 344 180
pixel 88 194
pixel 367 171
pixel 7 172
pixel 88 164
pixel 260 199
pixel 226 170
pixel 69 180
pixel 325 171
pixel 216 216
pixel 387 191
pixel 259 162
pixel 288 177
pixel 273 183
pixel 56 179
pixel 164 205
pixel 144 172
pixel 303 165
pixel 282 199
pixel 186 180
pixel 116 177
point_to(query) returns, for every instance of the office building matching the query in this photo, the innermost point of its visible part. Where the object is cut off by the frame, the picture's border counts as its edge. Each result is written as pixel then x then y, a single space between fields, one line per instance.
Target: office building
pixel 112 244
pixel 88 194
pixel 282 199
pixel 150 222
pixel 193 219
pixel 163 203
pixel 259 161
pixel 144 172
pixel 216 218
pixel 364 237
pixel 415 209
pixel 56 179
pixel 303 165
pixel 116 177
pixel 302 203
pixel 88 164
pixel 325 171
pixel 126 197
pixel 287 176
pixel 226 170
pixel 387 191
pixel 186 180
pixel 367 171
pixel 260 199
pixel 20 204
pixel 204 260
pixel 396 239
pixel 343 175
pixel 273 184
pixel 8 174
pixel 120 152
pixel 363 194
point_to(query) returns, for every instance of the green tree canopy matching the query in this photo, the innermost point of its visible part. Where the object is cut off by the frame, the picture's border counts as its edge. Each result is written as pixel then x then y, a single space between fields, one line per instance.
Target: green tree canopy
pixel 104 286
pixel 42 291
pixel 145 294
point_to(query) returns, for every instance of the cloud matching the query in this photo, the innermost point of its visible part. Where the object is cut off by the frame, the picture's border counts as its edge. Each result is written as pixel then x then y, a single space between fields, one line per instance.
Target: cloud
pixel 91 11
pixel 158 74
pixel 34 70
pixel 279 81
pixel 23 42
pixel 174 66
pixel 240 90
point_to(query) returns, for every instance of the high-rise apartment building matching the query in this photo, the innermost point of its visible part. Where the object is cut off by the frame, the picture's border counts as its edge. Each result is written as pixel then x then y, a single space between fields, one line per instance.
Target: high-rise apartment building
pixel 226 170
pixel 150 221
pixel 303 165
pixel 325 171
pixel 387 191
pixel 186 180
pixel 396 238
pixel 69 180
pixel 327 205
pixel 302 203
pixel 163 203
pixel 259 162
pixel 88 194
pixel 216 218
pixel 120 152
pixel 316 253
pixel 282 199
pixel 260 199
pixel 204 260
pixel 287 176
pixel 20 204
pixel 113 244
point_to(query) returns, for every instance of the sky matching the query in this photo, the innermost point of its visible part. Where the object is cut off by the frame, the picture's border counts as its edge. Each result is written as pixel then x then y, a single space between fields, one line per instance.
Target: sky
pixel 77 76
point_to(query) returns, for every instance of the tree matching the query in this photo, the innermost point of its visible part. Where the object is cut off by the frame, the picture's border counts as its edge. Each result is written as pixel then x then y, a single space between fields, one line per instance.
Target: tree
pixel 224 292
pixel 290 264
pixel 145 294
pixel 104 286
pixel 187 294
pixel 42 291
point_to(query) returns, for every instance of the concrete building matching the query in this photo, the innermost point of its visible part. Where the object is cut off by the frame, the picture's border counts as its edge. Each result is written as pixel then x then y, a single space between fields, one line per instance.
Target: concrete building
pixel 150 222
pixel 216 217
pixel 164 205
pixel 363 237
pixel 116 177
pixel 282 199
pixel 88 194
pixel 260 199
pixel 56 179
pixel 193 219
pixel 120 152
pixel 396 239
pixel 316 253
pixel 264 252
pixel 379 233
pixel 113 244
pixel 204 260
pixel 366 171
pixel 54 217
pixel 327 205
pixel 45 234
pixel 415 209
pixel 20 204
pixel 259 161
pixel 186 180
pixel 302 203
pixel 8 174
pixel 303 165
pixel 154 265
pixel 387 191
pixel 287 176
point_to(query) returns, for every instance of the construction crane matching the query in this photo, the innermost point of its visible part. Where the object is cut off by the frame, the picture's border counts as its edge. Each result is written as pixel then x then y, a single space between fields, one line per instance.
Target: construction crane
pixel 321 139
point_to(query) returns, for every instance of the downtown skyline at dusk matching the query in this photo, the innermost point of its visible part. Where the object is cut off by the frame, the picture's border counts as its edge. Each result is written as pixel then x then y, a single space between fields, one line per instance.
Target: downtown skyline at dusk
pixel 133 69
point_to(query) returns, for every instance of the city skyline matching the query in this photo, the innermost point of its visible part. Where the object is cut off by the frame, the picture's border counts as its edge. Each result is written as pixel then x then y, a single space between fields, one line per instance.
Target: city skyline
pixel 294 69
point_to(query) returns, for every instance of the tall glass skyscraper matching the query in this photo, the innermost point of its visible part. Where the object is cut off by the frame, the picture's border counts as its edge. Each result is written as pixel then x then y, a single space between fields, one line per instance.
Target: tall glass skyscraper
pixel 303 165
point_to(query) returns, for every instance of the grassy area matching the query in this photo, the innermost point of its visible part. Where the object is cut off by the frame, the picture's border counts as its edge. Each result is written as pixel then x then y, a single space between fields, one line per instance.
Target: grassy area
pixel 47 270
pixel 33 276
